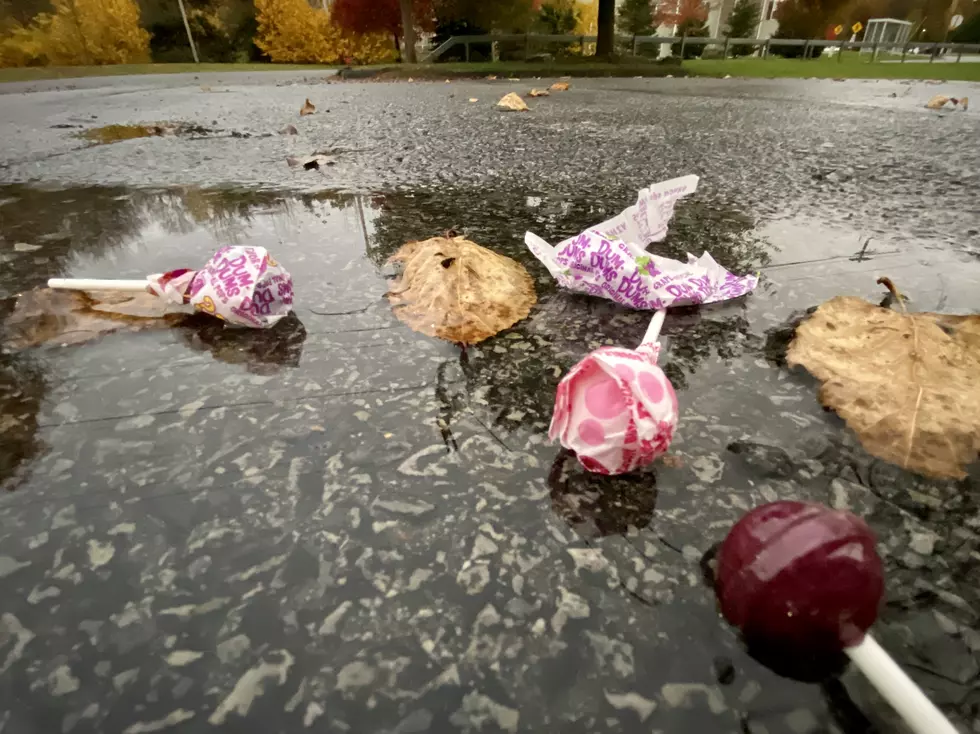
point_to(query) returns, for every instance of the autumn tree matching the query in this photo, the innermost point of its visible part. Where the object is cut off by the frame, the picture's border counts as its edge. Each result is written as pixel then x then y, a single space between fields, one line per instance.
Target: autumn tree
pixel 385 16
pixel 636 17
pixel 677 13
pixel 558 17
pixel 292 32
pixel 80 32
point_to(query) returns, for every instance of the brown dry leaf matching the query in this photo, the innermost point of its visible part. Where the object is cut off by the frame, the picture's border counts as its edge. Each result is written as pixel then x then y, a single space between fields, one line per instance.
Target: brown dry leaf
pixel 46 316
pixel 308 108
pixel 937 102
pixel 491 77
pixel 539 93
pixel 458 291
pixel 559 87
pixel 512 103
pixel 907 384
pixel 965 103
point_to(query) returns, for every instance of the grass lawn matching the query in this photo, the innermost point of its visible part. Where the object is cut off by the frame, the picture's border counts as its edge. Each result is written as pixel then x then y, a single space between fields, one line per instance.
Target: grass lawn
pixel 852 66
pixel 29 74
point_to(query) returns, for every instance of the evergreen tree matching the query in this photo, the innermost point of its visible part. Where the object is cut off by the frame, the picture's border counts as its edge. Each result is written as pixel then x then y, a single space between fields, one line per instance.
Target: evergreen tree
pixel 742 23
pixel 636 17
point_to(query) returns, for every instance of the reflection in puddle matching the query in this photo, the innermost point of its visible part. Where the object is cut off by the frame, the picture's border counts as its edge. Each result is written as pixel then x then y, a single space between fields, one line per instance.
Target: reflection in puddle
pixel 334 245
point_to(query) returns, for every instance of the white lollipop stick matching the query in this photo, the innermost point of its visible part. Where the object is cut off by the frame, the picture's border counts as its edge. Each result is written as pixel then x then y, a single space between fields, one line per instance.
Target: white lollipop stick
pixel 653 330
pixel 94 284
pixel 898 689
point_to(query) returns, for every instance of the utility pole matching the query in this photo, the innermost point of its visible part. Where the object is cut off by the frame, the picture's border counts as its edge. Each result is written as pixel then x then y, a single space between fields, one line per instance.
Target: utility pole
pixel 187 27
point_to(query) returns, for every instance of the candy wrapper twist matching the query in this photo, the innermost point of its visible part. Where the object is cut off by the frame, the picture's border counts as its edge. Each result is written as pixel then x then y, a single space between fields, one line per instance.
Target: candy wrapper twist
pixel 610 259
pixel 616 409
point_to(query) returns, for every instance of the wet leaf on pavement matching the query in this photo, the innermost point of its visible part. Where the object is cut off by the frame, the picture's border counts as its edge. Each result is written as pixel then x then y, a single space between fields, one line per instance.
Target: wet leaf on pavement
pixel 907 383
pixel 458 291
pixel 538 93
pixel 937 102
pixel 46 316
pixel 308 108
pixel 310 162
pixel 559 87
pixel 512 103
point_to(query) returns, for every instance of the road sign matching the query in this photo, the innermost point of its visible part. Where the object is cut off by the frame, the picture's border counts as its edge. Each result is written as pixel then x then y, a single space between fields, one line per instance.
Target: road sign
pixel 955 22
pixel 856 28
pixel 838 30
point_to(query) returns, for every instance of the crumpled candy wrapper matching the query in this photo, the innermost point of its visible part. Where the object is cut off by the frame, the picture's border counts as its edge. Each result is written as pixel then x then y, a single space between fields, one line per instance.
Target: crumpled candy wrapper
pixel 616 410
pixel 241 285
pixel 610 259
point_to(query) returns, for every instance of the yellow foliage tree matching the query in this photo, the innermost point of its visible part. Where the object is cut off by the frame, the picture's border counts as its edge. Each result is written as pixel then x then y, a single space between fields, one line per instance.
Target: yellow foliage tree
pixel 80 32
pixel 588 17
pixel 292 32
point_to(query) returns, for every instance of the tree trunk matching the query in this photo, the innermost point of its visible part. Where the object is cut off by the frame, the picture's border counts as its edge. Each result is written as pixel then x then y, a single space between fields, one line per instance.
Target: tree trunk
pixel 408 32
pixel 607 28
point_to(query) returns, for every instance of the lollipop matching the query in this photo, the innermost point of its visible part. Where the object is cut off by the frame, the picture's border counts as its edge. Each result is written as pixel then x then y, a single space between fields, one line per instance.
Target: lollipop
pixel 616 409
pixel 241 285
pixel 800 576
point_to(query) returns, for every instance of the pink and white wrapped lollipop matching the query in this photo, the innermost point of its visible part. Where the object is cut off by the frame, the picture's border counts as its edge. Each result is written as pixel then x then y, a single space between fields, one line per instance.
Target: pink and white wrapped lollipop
pixel 616 409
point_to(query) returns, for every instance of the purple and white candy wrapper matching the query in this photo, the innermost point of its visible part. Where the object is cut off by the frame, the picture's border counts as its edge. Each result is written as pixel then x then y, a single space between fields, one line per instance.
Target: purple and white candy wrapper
pixel 244 286
pixel 610 259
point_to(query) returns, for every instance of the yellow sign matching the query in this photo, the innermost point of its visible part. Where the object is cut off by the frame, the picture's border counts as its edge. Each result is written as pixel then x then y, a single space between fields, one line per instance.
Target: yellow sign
pixel 838 30
pixel 856 28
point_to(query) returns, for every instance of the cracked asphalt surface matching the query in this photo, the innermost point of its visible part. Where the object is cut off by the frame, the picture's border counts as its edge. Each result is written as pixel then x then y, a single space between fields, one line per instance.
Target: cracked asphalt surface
pixel 344 526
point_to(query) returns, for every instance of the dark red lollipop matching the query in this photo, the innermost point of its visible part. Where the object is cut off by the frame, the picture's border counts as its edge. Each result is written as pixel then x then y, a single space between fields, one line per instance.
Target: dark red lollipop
pixel 801 576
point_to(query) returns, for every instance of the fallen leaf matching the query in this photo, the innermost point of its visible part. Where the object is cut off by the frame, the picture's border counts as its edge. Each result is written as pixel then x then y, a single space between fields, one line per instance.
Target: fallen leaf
pixel 25 247
pixel 907 383
pixel 205 88
pixel 937 102
pixel 47 316
pixel 410 79
pixel 458 291
pixel 308 108
pixel 474 99
pixel 513 103
pixel 310 162
pixel 289 130
pixel 539 93
pixel 559 87
pixel 965 103
pixel 448 82
pixel 491 77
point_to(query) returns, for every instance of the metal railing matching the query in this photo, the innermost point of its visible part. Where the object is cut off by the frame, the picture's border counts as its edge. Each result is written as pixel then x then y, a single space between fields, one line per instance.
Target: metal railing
pixel 811 47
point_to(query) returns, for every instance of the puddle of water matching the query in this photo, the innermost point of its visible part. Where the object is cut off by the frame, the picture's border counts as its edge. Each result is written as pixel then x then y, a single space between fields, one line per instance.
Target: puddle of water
pixel 117 133
pixel 346 387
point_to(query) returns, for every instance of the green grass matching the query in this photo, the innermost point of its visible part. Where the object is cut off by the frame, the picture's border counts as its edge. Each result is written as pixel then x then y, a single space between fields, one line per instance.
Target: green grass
pixel 33 73
pixel 852 66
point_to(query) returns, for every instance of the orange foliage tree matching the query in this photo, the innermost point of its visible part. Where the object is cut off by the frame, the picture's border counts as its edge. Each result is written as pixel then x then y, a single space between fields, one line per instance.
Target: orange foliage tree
pixel 79 32
pixel 680 12
pixel 292 32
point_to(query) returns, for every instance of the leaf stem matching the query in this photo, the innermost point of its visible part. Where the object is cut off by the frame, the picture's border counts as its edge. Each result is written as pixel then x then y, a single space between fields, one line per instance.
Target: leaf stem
pixel 887 282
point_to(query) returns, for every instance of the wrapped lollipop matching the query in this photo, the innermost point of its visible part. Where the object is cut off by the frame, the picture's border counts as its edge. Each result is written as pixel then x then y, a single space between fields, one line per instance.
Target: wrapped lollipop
pixel 616 409
pixel 243 286
pixel 802 578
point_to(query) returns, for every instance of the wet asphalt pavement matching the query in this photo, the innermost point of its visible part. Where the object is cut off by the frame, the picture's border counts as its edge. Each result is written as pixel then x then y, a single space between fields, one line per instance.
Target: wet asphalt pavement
pixel 344 526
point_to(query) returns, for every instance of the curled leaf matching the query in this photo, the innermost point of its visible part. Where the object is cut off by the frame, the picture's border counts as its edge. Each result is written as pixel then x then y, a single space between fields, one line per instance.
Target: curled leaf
pixel 907 384
pixel 938 102
pixel 559 87
pixel 308 108
pixel 456 290
pixel 512 103
pixel 538 93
